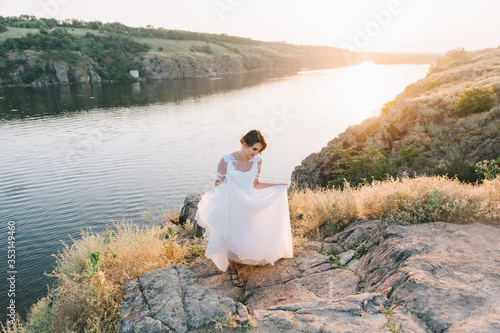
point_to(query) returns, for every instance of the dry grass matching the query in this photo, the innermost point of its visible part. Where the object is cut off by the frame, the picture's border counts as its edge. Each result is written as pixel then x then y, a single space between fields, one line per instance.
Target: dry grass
pixel 430 199
pixel 91 271
pixel 315 214
pixel 312 209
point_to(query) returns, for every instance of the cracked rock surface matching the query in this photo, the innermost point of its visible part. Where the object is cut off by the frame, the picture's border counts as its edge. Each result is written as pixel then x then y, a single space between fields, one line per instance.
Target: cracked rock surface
pixel 435 277
pixel 172 299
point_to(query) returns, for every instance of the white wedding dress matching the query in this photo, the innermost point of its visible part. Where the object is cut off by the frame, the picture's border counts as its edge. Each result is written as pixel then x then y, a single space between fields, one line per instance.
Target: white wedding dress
pixel 241 223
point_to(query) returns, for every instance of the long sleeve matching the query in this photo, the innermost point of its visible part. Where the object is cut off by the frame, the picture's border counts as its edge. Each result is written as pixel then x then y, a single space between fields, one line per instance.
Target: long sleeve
pixel 257 176
pixel 221 169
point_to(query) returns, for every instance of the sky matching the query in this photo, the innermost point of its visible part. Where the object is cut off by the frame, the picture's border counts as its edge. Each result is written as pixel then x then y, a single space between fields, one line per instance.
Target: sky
pixel 359 25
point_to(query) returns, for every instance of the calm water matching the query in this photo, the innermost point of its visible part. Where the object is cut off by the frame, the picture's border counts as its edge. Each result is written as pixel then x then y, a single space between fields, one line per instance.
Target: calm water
pixel 77 157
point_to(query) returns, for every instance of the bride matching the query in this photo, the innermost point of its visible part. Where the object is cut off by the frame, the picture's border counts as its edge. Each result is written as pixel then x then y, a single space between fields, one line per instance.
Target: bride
pixel 246 221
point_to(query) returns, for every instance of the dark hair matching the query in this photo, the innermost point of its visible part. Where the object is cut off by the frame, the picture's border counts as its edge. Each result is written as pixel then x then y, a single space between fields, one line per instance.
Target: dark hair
pixel 252 137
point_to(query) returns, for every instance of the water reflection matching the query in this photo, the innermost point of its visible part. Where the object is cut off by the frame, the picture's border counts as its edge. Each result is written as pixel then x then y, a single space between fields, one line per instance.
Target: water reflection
pixel 18 103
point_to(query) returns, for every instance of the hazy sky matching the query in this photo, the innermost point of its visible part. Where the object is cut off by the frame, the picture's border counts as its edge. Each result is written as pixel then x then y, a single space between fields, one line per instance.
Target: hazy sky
pixel 367 25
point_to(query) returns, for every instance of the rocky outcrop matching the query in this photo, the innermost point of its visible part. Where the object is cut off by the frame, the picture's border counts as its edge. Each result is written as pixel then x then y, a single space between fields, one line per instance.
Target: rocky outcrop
pixel 172 299
pixel 444 274
pixel 378 276
pixel 306 294
pixel 195 65
pixel 188 211
pixel 51 72
pixel 422 115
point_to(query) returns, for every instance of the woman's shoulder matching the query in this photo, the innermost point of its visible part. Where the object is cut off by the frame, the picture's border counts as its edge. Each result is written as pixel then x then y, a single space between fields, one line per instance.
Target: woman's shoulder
pixel 227 157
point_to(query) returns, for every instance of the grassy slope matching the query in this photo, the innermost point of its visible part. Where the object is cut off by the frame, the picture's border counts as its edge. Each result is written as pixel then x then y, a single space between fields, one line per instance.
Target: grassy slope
pixel 171 46
pixel 265 49
pixel 424 115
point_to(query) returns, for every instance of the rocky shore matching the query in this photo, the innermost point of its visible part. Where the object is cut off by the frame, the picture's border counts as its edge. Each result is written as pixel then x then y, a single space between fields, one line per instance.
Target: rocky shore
pixel 422 116
pixel 154 66
pixel 375 276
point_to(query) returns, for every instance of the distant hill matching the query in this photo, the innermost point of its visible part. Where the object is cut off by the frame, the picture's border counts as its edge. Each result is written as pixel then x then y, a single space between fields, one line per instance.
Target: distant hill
pixel 446 123
pixel 36 51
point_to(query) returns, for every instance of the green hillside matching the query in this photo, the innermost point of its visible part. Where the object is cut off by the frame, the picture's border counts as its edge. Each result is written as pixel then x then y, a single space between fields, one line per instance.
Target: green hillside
pixel 47 51
pixel 447 123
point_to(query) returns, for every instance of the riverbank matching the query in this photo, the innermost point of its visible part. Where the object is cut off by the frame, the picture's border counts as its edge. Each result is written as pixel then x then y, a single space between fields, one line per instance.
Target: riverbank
pixel 87 53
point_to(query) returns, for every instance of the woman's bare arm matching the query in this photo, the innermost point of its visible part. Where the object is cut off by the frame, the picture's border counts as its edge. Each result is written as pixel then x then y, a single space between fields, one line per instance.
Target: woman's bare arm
pixel 259 185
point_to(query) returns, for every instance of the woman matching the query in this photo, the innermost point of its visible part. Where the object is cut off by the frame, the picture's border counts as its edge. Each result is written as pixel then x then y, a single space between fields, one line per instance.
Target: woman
pixel 246 221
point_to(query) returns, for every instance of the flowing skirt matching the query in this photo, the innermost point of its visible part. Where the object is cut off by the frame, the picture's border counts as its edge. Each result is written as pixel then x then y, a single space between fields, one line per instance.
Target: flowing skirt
pixel 250 227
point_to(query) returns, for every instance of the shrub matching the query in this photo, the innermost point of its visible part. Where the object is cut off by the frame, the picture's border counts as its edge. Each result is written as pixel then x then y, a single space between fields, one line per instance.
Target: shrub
pixel 459 168
pixel 387 106
pixel 204 49
pixel 474 100
pixel 450 56
pixel 431 85
pixel 357 166
pixel 407 155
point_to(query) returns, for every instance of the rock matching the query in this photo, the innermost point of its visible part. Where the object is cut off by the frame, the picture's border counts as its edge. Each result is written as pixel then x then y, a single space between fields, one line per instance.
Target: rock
pixel 354 264
pixel 135 315
pixel 317 246
pixel 360 313
pixel 355 234
pixel 61 73
pixel 172 299
pixel 275 319
pixel 189 209
pixel 345 257
pixel 286 270
pixel 408 321
pixel 331 246
pixel 329 240
pixel 489 323
pixel 442 273
pixel 185 242
pixel 80 77
pixel 94 76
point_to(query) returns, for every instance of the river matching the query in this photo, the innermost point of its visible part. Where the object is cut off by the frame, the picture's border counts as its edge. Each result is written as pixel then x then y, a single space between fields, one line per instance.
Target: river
pixel 78 157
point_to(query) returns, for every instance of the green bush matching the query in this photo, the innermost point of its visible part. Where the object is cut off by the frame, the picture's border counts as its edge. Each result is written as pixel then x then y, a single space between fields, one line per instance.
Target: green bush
pixel 204 49
pixel 460 168
pixel 475 100
pixel 357 166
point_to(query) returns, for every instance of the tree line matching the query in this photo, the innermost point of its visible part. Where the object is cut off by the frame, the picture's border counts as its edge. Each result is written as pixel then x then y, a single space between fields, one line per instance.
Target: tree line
pixel 29 21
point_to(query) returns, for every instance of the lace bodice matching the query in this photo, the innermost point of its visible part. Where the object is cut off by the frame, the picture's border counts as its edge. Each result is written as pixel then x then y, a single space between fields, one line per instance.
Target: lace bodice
pixel 242 172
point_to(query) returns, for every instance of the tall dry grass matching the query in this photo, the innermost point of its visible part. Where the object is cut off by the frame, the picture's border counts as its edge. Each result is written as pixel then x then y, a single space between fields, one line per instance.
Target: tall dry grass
pixel 317 213
pixel 90 273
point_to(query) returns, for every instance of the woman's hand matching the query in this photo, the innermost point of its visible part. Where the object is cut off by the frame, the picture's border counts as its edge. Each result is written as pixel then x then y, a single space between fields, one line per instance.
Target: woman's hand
pixel 259 185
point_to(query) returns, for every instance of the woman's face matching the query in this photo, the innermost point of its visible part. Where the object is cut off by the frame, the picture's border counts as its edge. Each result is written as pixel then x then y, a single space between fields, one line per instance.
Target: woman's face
pixel 251 151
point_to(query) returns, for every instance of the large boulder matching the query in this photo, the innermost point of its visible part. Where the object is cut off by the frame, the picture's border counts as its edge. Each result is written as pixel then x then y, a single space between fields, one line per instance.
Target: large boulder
pixel 445 274
pixel 189 209
pixel 172 299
